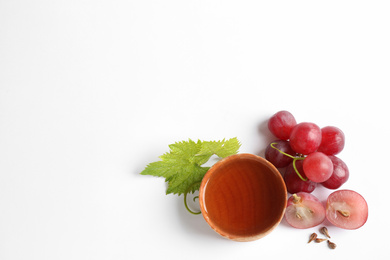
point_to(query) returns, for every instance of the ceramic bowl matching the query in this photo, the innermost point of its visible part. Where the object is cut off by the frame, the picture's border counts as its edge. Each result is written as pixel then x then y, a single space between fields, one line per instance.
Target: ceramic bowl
pixel 243 197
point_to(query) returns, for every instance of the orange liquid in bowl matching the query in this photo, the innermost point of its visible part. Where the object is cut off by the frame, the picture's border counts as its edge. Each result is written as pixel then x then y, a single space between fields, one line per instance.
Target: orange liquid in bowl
pixel 243 197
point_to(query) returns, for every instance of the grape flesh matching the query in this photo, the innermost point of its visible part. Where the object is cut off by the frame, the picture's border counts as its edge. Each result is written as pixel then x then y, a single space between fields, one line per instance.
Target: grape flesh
pixel 278 159
pixel 305 138
pixel 281 124
pixel 339 176
pixel 346 209
pixel 304 210
pixel 318 167
pixel 332 140
pixel 294 184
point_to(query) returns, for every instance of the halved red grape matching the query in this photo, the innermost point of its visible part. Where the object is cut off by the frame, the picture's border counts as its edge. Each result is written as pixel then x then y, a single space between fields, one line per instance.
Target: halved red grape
pixel 304 210
pixel 294 183
pixel 346 209
pixel 281 124
pixel 276 157
pixel 305 138
pixel 333 140
pixel 318 167
pixel 339 176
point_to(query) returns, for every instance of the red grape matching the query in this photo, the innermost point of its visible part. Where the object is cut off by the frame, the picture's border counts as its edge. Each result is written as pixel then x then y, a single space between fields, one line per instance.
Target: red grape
pixel 294 183
pixel 346 209
pixel 276 157
pixel 305 138
pixel 333 140
pixel 339 176
pixel 304 210
pixel 317 147
pixel 318 167
pixel 281 124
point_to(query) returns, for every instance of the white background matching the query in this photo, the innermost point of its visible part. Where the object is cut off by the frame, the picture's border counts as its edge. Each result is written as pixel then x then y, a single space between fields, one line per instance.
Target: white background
pixel 93 91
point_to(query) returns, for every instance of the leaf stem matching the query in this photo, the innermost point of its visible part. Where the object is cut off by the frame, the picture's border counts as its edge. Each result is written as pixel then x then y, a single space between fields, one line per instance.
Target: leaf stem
pixel 196 197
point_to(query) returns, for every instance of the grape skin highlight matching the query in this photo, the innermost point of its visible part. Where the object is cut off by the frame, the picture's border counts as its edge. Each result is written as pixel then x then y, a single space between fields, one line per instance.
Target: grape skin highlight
pixel 305 138
pixel 318 167
pixel 333 140
pixel 339 176
pixel 276 157
pixel 281 124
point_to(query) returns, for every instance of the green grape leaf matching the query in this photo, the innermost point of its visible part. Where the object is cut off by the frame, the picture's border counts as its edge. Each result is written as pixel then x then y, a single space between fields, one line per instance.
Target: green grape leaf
pixel 182 165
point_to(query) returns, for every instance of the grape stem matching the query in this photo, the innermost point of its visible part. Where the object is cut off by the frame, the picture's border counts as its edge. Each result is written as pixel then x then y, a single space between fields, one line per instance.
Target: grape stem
pixel 293 157
pixel 296 170
pixel 296 198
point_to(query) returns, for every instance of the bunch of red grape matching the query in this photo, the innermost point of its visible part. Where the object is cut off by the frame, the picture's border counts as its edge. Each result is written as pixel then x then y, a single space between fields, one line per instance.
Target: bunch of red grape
pixel 308 154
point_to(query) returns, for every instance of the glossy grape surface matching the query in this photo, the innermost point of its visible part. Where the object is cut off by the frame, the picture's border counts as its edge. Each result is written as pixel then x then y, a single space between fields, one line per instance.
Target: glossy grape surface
pixel 339 175
pixel 318 167
pixel 332 140
pixel 276 157
pixel 294 184
pixel 305 138
pixel 281 124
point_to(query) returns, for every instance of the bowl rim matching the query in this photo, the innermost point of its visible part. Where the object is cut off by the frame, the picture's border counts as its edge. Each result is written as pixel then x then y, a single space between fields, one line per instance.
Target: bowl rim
pixel 215 168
